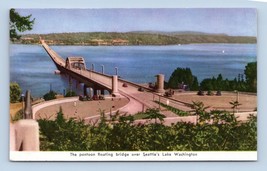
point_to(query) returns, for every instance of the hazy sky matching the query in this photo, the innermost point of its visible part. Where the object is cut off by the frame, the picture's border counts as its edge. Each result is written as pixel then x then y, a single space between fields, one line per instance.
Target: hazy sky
pixel 229 21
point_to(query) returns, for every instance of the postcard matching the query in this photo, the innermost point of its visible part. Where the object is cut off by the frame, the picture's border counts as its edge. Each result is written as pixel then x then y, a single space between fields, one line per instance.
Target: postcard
pixel 133 84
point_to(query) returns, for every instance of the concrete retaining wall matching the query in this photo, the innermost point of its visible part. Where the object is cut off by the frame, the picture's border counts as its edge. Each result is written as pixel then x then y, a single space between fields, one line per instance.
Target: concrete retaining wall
pixel 39 106
pixel 24 135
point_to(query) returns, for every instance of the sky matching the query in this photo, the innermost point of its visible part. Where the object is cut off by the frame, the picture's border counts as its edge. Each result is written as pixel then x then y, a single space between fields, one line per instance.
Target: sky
pixel 231 21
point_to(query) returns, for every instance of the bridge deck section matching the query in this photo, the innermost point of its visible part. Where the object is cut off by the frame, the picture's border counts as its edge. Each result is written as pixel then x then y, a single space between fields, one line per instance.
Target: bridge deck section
pixel 96 77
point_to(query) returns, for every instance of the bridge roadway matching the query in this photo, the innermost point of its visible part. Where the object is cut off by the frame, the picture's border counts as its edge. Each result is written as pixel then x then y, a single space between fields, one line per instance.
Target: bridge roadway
pixel 139 101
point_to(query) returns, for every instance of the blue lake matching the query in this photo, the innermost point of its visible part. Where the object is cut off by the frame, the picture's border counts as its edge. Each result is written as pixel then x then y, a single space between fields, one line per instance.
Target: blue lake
pixel 32 68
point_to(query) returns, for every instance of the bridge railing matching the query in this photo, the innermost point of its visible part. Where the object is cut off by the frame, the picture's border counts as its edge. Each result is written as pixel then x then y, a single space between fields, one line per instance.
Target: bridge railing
pixel 105 79
pixel 55 57
pixel 100 78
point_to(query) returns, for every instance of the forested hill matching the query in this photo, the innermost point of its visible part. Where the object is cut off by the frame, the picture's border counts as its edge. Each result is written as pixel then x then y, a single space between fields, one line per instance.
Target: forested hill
pixel 134 38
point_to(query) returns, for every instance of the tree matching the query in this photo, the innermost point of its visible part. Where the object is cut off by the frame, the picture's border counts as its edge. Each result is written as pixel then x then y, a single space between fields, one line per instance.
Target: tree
pixel 251 76
pixel 19 24
pixel 183 76
pixel 15 92
pixel 195 85
pixel 234 104
pixel 200 110
pixel 220 82
pixel 206 84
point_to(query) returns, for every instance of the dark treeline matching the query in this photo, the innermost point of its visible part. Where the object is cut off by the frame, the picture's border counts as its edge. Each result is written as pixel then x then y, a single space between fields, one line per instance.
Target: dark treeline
pixel 183 78
pixel 224 84
pixel 133 38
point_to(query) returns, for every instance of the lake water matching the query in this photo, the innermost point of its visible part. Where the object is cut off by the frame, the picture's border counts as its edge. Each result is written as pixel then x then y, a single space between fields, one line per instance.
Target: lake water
pixel 33 69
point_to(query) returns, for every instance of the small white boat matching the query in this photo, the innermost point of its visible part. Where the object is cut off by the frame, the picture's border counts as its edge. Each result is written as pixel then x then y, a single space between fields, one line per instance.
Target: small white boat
pixel 57 72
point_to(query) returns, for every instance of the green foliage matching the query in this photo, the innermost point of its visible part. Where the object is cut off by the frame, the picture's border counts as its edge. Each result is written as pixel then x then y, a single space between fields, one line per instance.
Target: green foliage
pixel 195 84
pixel 19 23
pixel 199 107
pixel 239 83
pixel 215 84
pixel 50 95
pixel 70 93
pixel 15 92
pixel 248 130
pixel 225 134
pixel 251 76
pixel 154 114
pixel 62 134
pixel 125 118
pixel 185 76
pixel 173 109
pixel 140 115
pixel 234 104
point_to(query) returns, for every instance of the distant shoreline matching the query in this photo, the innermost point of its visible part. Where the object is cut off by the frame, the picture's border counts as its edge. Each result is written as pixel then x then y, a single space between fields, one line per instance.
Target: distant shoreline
pixel 121 45
pixel 133 39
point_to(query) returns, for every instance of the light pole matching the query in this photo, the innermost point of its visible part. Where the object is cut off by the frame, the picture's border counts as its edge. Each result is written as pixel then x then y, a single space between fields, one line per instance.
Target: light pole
pixel 102 69
pixel 110 115
pixel 93 68
pixel 116 69
pixel 167 102
pixel 237 100
pixel 237 95
pixel 159 102
pixel 22 101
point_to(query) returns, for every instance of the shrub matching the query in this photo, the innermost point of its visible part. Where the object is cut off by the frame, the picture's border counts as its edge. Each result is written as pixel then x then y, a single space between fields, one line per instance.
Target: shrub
pixel 124 135
pixel 70 93
pixel 15 92
pixel 50 95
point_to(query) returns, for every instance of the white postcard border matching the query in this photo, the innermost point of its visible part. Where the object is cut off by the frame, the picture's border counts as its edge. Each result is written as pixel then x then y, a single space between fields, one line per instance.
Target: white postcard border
pixel 133 156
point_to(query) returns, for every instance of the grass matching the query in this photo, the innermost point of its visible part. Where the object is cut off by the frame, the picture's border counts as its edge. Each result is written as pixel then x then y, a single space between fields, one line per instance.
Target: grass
pixel 173 109
pixel 14 109
pixel 140 115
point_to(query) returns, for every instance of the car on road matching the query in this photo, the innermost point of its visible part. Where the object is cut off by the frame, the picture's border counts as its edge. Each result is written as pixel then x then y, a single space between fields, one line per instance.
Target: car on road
pixel 124 85
pixel 84 98
pixel 168 94
pixel 201 93
pixel 95 97
pixel 141 89
pixel 218 93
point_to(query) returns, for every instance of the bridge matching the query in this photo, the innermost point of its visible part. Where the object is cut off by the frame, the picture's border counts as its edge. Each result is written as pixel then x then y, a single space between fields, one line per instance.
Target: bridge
pixel 75 67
